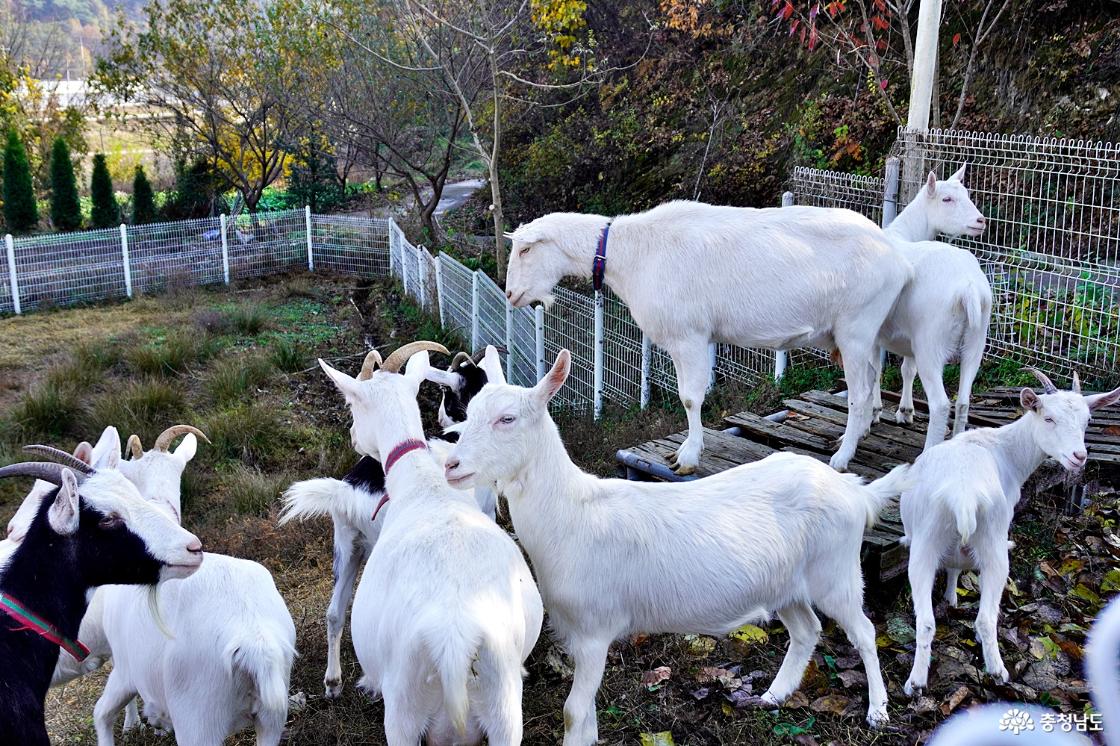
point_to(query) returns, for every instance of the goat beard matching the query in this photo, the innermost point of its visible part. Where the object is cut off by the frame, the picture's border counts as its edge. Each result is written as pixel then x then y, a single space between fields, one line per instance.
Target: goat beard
pixel 157 615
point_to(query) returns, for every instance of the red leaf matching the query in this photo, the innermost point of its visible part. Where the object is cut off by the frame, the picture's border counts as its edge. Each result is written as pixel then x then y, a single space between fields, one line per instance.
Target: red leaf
pixel 787 11
pixel 883 84
pixel 879 23
pixel 812 38
pixel 881 45
pixel 956 39
pixel 802 35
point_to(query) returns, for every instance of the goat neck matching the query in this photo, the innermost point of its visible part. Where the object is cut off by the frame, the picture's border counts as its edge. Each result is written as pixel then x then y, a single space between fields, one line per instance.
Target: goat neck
pixel 911 224
pixel 1019 454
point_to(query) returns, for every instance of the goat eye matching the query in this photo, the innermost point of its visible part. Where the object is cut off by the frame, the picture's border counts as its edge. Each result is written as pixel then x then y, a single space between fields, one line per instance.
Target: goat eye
pixel 947 199
pixel 508 419
pixel 111 521
pixel 1048 420
pixel 524 250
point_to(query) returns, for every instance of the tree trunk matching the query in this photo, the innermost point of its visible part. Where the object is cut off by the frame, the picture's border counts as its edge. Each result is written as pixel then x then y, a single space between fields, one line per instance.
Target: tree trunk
pixel 499 224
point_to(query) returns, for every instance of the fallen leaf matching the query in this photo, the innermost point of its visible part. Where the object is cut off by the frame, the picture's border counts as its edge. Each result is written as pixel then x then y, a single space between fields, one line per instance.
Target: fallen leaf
pixel 852 678
pixel 749 634
pixel 1085 593
pixel 954 700
pixel 664 738
pixel 725 678
pixel 1071 566
pixel 651 679
pixel 899 630
pixel 1111 581
pixel 700 645
pixel 834 704
pixel 790 729
pixel 795 701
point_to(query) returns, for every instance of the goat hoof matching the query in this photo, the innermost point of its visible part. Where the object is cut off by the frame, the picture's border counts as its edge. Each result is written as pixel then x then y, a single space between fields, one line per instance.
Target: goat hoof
pixel 1001 675
pixel 683 470
pixel 904 416
pixel 333 688
pixel 912 689
pixel 876 414
pixel 877 718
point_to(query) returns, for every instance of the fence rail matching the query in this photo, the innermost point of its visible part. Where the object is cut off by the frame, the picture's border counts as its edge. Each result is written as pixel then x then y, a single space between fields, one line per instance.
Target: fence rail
pixel 1052 252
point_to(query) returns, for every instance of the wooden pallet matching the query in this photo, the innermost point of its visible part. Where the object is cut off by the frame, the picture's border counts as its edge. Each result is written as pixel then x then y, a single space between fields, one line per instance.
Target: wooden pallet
pixel 812 425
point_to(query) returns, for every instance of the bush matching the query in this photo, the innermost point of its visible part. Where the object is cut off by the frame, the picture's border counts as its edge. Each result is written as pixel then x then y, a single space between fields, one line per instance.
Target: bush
pixel 195 190
pixel 143 200
pixel 105 212
pixel 66 208
pixel 20 211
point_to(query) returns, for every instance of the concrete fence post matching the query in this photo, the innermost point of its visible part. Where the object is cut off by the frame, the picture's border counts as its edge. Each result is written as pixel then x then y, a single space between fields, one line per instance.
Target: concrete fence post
pixel 781 359
pixel 647 355
pixel 422 276
pixel 307 222
pixel 225 249
pixel 474 311
pixel 439 289
pixel 890 191
pixel 597 378
pixel 538 328
pixel 124 260
pixel 509 342
pixel 13 280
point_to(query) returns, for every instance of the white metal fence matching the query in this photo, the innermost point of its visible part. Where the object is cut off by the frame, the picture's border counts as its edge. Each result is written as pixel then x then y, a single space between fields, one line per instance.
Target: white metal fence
pixel 1052 250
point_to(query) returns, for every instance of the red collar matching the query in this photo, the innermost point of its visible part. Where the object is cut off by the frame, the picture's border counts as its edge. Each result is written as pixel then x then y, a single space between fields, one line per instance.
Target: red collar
pixel 31 622
pixel 395 455
pixel 599 265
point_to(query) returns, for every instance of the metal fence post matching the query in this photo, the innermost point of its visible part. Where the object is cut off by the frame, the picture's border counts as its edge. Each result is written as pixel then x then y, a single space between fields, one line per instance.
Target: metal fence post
pixel 439 289
pixel 597 379
pixel 712 350
pixel 307 222
pixel 890 191
pixel 538 328
pixel 225 249
pixel 781 358
pixel 124 258
pixel 647 354
pixel 509 342
pixel 9 245
pixel 474 310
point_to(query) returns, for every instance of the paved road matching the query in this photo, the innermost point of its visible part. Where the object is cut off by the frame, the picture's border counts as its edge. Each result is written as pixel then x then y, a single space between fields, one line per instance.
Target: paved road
pixel 454 195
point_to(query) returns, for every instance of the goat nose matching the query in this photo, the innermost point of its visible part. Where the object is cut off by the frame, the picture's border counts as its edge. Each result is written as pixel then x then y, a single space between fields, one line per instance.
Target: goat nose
pixel 195 547
pixel 509 295
pixel 451 465
pixel 1080 456
pixel 981 220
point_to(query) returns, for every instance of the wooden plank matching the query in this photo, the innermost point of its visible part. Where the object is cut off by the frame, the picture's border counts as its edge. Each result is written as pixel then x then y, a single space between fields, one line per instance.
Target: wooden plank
pixel 777 435
pixel 895 451
pixel 839 406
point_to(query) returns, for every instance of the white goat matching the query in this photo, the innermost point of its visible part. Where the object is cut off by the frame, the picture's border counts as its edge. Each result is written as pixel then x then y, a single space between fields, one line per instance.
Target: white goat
pixel 958 507
pixel 943 312
pixel 228 662
pixel 693 273
pixel 353 505
pixel 615 557
pixel 446 610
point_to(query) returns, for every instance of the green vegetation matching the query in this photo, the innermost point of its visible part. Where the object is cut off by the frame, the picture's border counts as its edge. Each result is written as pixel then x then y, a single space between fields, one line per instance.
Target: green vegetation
pixel 21 214
pixel 143 200
pixel 66 208
pixel 235 379
pixel 170 354
pixel 106 213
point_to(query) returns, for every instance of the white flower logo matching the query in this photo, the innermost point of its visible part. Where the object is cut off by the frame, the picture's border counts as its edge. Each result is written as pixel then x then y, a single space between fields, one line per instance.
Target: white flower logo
pixel 1016 721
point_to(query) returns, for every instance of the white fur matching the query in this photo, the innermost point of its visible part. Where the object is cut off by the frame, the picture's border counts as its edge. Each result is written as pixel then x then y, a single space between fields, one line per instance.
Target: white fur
pixel 943 312
pixel 616 557
pixel 693 273
pixel 446 610
pixel 958 508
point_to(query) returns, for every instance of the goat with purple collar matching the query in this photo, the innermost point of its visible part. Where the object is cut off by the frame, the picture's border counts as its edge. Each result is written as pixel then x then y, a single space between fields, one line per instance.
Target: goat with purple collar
pixel 356 506
pixel 94 529
pixel 446 610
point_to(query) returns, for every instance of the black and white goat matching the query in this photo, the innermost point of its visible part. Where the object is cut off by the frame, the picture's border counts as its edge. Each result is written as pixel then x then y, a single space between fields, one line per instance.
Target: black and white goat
pixel 353 502
pixel 95 529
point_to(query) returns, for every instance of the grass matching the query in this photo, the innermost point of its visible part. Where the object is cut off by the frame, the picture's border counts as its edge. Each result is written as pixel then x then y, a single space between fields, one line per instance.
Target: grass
pixel 288 356
pixel 251 491
pixel 234 379
pixel 171 355
pixel 137 406
pixel 46 413
pixel 248 319
pixel 252 433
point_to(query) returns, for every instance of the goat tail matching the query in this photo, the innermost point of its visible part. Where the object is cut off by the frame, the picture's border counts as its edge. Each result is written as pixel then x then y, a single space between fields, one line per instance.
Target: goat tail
pixel 326 496
pixel 1100 666
pixel 266 660
pixel 454 652
pixel 883 490
pixel 964 506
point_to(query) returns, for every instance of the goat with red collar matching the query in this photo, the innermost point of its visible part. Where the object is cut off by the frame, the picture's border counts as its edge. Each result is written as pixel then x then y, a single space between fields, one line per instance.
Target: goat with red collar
pixel 446 610
pixel 95 529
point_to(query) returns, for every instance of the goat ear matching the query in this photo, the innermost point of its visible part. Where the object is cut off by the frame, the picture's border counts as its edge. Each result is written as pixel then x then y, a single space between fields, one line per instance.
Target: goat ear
pixel 554 379
pixel 64 513
pixel 1096 401
pixel 344 383
pixel 959 175
pixel 931 184
pixel 107 452
pixel 84 452
pixel 1029 399
pixel 492 365
pixel 186 450
pixel 417 367
pixel 444 378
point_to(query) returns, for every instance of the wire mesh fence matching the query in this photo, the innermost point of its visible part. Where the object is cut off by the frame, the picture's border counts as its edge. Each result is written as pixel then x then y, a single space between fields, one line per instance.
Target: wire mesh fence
pixel 350 245
pixel 66 269
pixel 179 254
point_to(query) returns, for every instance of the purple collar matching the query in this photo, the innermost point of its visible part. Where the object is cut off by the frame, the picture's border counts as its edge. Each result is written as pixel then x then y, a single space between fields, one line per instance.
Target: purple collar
pixel 599 265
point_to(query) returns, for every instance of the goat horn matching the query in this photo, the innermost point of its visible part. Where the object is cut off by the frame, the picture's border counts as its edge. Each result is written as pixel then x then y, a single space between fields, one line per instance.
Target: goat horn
pixel 62 457
pixel 369 365
pixel 134 446
pixel 163 442
pixel 461 358
pixel 476 358
pixel 401 355
pixel 1076 388
pixel 1048 386
pixel 48 472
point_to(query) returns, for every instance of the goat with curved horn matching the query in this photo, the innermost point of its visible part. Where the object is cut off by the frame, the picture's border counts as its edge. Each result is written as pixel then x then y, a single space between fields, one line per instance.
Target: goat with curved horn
pixel 400 356
pixel 371 363
pixel 1048 386
pixel 1076 386
pixel 134 446
pixel 45 470
pixel 163 442
pixel 60 456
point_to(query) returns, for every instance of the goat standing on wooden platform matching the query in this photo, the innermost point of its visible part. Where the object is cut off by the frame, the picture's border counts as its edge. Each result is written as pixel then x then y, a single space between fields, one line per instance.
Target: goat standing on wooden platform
pixel 694 273
pixel 961 497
